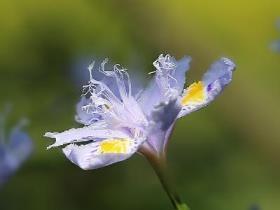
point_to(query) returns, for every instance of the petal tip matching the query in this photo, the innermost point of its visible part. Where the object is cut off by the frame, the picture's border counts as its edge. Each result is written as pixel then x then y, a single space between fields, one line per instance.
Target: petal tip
pixel 187 58
pixel 229 63
pixel 50 134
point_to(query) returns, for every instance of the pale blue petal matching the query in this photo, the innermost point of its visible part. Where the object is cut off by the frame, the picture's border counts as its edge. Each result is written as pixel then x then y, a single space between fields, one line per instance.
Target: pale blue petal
pixel 152 95
pixel 86 157
pixel 220 71
pixel 112 81
pixel 182 66
pixel 82 115
pixel 161 123
pixel 214 81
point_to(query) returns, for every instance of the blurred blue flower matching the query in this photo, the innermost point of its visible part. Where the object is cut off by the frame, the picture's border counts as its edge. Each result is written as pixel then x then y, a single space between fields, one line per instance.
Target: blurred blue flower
pixel 119 122
pixel 14 149
pixel 275 45
pixel 255 207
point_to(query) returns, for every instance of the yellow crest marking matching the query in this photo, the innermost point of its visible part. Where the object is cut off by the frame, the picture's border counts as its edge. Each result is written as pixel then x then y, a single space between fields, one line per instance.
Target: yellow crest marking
pixel 115 146
pixel 195 93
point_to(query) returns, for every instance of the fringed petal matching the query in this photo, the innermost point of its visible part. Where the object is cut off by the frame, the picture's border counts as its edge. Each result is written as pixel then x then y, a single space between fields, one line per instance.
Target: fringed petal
pixel 74 135
pixel 168 82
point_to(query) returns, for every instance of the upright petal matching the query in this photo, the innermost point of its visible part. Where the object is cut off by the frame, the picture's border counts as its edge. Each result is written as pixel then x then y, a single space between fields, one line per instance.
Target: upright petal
pixel 200 94
pixel 182 66
pixel 168 81
pixel 150 97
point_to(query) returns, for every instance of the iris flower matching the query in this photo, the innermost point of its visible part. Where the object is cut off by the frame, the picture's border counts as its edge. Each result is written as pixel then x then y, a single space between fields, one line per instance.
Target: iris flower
pixel 14 150
pixel 117 122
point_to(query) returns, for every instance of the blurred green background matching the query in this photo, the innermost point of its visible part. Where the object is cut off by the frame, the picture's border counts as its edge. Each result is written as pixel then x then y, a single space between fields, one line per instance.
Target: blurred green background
pixel 224 157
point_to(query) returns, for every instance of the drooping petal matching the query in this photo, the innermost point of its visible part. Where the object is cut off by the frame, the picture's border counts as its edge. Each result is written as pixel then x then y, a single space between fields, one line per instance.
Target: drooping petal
pixel 84 134
pixel 100 154
pixel 201 93
pixel 169 80
pixel 161 123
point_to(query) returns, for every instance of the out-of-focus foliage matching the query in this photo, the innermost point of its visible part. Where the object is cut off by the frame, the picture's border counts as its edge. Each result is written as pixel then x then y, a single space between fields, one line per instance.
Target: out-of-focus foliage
pixel 223 157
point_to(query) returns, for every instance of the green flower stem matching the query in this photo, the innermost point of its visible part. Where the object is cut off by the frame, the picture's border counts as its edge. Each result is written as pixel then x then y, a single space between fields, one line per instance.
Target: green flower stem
pixel 159 165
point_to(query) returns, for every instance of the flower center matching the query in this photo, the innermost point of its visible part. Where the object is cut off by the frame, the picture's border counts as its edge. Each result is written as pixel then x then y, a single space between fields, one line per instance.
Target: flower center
pixel 115 146
pixel 195 93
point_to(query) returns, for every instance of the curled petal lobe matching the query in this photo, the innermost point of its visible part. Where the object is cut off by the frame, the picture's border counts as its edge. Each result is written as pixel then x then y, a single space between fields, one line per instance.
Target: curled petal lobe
pixel 220 71
pixel 200 94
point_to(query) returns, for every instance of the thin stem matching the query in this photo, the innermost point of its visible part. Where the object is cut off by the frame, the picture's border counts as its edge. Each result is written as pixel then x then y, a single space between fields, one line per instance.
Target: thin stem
pixel 160 170
pixel 158 163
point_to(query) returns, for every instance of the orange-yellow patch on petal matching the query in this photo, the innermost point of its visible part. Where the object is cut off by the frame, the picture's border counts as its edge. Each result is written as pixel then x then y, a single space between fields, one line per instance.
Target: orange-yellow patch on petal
pixel 115 146
pixel 195 94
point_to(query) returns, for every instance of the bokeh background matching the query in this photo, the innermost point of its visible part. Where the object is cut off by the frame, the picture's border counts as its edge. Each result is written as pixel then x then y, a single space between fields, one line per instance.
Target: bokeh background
pixel 224 157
